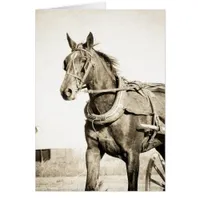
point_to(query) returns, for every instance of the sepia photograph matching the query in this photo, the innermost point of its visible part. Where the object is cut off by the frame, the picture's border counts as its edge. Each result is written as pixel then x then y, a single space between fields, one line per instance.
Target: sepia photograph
pixel 100 100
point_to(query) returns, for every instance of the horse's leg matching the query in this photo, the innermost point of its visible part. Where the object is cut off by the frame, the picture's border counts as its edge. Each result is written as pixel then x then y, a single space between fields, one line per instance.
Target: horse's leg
pixel 132 166
pixel 93 157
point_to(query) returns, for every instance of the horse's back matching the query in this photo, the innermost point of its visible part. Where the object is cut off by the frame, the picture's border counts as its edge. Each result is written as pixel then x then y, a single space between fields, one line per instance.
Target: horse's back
pixel 137 102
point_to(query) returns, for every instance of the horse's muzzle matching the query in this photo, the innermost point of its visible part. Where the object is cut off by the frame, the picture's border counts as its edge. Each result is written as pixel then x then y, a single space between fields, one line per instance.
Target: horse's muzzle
pixel 68 94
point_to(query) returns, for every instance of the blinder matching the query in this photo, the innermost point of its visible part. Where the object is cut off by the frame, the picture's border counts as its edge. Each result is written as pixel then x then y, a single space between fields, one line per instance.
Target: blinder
pixel 80 81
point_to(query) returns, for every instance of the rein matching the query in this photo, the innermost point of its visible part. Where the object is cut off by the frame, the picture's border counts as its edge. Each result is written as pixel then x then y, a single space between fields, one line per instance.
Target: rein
pixel 113 90
pixel 134 87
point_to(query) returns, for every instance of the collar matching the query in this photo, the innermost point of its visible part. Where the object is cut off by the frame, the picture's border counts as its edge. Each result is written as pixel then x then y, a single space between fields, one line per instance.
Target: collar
pixel 113 114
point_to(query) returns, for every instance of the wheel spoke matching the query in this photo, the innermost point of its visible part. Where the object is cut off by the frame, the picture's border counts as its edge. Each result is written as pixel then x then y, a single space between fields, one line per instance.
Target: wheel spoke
pixel 162 162
pixel 159 172
pixel 157 183
pixel 152 177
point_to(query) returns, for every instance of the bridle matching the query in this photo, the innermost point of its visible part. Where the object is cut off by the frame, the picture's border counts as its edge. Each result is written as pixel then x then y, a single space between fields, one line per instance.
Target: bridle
pixel 80 81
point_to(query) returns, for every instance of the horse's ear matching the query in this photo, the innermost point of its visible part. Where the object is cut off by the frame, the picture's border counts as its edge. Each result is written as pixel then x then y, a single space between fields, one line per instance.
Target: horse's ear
pixel 72 44
pixel 90 40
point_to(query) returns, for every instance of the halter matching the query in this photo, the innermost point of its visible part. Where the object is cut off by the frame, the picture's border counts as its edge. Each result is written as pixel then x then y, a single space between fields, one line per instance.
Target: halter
pixel 87 66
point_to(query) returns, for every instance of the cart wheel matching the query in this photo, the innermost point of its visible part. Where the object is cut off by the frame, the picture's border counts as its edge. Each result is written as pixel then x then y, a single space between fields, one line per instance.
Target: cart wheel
pixel 155 174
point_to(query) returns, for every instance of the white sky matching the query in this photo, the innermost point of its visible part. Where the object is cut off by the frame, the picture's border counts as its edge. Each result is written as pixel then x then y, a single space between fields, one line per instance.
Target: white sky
pixel 135 38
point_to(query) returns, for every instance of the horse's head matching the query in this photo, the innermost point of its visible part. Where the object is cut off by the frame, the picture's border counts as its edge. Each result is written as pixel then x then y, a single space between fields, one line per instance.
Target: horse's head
pixel 78 66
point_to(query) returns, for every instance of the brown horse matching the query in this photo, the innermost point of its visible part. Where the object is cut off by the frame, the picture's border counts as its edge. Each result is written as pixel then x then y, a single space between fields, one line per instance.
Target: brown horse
pixel 112 124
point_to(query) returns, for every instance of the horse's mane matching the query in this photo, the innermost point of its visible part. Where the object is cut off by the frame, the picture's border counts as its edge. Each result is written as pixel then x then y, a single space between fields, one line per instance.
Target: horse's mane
pixel 110 61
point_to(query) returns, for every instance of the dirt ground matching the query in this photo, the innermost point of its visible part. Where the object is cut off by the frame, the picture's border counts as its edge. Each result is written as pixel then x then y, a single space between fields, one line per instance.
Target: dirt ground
pixel 66 171
pixel 110 183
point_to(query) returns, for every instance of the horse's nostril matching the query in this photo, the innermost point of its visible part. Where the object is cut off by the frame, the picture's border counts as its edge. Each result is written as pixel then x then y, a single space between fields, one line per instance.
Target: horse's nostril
pixel 68 92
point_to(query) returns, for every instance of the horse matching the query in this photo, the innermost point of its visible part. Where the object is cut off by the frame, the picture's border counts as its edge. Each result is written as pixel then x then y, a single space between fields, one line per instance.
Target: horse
pixel 110 127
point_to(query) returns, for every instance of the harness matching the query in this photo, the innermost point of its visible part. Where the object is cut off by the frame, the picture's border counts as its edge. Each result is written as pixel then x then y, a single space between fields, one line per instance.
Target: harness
pixel 119 106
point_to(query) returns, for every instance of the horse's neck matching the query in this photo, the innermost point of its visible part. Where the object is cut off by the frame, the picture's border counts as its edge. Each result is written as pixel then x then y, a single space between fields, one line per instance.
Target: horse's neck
pixel 101 103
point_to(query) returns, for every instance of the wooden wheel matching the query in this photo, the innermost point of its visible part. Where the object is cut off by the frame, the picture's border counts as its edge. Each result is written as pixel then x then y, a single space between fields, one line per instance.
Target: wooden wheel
pixel 155 174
